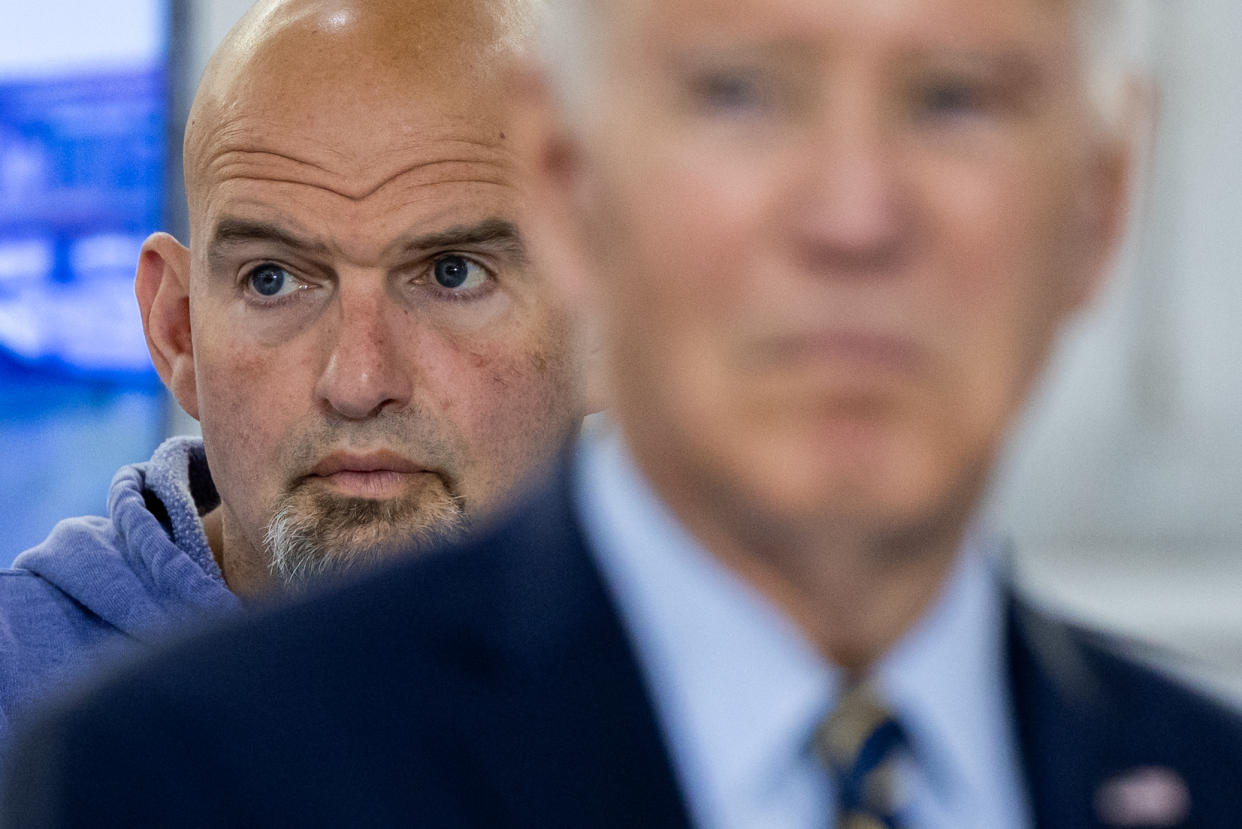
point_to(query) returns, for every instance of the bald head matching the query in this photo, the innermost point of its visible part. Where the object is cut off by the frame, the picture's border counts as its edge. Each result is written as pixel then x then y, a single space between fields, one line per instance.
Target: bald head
pixel 346 74
pixel 356 325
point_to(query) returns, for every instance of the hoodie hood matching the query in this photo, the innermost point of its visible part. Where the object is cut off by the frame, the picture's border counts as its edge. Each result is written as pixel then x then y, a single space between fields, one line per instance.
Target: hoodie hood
pixel 147 567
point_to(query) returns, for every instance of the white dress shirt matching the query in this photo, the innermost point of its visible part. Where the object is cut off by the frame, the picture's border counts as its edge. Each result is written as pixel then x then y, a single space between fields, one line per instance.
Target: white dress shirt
pixel 738 691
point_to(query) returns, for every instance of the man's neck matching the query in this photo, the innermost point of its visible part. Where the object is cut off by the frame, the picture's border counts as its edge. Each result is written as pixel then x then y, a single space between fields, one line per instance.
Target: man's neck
pixel 852 593
pixel 243 567
pixel 851 602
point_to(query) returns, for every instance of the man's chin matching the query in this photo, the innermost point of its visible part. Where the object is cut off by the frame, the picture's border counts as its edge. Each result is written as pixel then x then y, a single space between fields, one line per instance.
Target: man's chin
pixel 319 535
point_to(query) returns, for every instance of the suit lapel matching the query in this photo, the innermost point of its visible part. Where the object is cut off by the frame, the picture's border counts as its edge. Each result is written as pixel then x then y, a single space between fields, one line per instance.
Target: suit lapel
pixel 1091 755
pixel 566 733
pixel 1053 692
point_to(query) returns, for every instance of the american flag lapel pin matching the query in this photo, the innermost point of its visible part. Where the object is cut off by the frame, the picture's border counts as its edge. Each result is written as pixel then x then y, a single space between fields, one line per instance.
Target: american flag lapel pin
pixel 1149 797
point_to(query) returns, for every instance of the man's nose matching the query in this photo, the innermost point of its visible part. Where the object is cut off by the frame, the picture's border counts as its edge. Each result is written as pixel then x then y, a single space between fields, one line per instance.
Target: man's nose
pixel 366 370
pixel 852 211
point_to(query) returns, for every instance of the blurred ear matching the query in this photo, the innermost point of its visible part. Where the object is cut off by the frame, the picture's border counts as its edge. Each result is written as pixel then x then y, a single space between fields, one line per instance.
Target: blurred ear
pixel 162 285
pixel 549 155
pixel 1110 185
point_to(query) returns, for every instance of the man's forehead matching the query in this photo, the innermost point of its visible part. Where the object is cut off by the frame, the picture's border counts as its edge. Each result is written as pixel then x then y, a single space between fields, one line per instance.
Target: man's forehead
pixel 348 96
pixel 358 226
pixel 342 181
pixel 940 21
pixel 384 156
pixel 337 119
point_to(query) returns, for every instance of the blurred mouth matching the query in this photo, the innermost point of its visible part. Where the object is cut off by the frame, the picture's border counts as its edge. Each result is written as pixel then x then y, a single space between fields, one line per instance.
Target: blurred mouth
pixel 376 475
pixel 856 350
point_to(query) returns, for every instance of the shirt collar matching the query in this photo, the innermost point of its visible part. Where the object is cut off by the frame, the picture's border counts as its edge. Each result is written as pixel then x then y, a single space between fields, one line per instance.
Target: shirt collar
pixel 739 691
pixel 735 686
pixel 947 681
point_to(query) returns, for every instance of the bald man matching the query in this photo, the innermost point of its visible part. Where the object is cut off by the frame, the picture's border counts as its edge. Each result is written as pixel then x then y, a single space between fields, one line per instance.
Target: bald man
pixel 828 244
pixel 355 325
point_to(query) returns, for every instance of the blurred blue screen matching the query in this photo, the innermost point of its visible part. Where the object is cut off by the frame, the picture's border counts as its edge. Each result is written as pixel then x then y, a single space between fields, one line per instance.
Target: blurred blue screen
pixel 81 181
pixel 83 116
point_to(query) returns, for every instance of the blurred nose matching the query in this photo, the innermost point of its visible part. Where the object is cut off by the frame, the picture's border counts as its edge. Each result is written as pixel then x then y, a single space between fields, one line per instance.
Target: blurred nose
pixel 852 213
pixel 366 371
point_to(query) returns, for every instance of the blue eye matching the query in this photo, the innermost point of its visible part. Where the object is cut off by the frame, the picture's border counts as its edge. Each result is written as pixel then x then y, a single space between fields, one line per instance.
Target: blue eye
pixel 457 273
pixel 269 280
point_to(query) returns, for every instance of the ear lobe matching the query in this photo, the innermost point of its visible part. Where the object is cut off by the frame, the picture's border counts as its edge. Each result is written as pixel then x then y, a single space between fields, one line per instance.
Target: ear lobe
pixel 162 285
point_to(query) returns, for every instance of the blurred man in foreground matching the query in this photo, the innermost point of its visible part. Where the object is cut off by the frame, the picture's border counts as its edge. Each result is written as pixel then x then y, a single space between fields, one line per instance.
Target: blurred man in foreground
pixel 355 324
pixel 828 245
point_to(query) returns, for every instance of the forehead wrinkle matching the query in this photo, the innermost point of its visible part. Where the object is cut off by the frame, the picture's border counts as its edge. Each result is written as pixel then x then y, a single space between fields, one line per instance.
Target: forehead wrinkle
pixel 223 162
pixel 360 197
pixel 243 170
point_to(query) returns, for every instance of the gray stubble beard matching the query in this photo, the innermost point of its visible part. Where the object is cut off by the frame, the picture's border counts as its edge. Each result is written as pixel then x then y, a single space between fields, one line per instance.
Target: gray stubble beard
pixel 315 536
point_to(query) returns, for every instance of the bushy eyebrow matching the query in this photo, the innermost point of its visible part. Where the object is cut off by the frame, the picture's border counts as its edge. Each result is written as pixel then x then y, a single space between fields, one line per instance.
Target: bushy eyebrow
pixel 231 232
pixel 499 234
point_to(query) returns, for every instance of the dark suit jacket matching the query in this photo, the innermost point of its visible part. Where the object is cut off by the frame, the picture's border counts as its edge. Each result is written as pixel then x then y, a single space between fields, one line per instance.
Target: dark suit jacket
pixel 492 685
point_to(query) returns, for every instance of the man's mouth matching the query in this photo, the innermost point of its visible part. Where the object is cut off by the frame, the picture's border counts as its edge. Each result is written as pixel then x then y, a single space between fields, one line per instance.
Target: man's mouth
pixel 377 475
pixel 864 349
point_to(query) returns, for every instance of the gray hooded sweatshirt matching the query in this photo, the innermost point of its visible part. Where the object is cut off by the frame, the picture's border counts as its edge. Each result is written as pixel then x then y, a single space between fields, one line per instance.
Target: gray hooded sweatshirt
pixel 98 588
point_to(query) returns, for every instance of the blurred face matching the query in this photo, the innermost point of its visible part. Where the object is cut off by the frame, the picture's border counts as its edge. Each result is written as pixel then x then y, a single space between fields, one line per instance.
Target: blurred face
pixel 373 356
pixel 831 242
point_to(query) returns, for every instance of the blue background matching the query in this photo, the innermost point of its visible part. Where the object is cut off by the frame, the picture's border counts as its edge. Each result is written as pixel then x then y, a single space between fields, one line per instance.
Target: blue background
pixel 82 162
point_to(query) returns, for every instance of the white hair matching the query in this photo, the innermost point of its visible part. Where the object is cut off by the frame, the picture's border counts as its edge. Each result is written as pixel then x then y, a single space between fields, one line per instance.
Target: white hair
pixel 1114 39
pixel 1113 36
pixel 570 42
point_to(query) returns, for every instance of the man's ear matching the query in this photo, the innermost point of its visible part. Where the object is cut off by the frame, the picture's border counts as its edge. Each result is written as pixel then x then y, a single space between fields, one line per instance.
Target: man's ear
pixel 548 153
pixel 1106 216
pixel 163 288
pixel 1119 159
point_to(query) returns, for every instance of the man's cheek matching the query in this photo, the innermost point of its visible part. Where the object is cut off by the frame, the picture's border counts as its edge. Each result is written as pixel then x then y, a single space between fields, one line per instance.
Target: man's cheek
pixel 523 397
pixel 242 404
pixel 506 386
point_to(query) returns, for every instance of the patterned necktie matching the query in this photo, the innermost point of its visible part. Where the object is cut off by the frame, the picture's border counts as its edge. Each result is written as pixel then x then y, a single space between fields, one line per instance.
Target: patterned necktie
pixel 860 742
